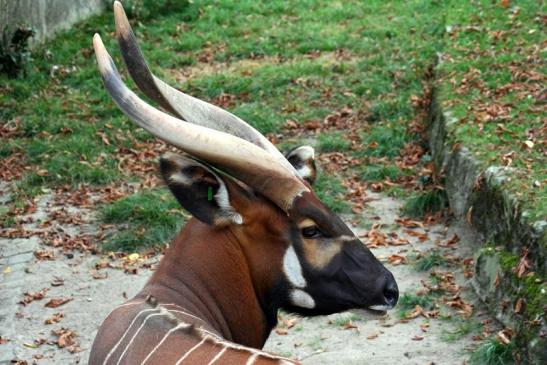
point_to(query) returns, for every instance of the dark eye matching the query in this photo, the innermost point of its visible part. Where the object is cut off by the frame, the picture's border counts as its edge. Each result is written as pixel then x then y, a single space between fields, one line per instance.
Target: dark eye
pixel 311 232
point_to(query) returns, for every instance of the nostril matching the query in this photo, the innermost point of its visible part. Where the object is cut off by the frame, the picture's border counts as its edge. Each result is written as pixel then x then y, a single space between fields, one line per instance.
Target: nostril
pixel 391 294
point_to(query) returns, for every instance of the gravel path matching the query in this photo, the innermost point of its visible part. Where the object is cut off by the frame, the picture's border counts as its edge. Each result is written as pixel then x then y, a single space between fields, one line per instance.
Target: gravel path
pixel 348 338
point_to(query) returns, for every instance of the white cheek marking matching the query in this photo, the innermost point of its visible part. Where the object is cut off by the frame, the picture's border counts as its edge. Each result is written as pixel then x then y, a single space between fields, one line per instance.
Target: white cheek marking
pixel 302 299
pixel 292 268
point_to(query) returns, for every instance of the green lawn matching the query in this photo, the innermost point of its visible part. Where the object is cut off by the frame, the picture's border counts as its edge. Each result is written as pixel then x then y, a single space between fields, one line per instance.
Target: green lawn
pixel 492 80
pixel 267 62
pixel 359 71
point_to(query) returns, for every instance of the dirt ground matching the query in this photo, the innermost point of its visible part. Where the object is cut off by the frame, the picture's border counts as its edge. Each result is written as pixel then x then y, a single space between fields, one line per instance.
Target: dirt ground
pixel 94 288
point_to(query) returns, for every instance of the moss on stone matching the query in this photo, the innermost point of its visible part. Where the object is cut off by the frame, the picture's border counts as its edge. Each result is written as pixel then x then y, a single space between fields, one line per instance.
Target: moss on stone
pixel 501 288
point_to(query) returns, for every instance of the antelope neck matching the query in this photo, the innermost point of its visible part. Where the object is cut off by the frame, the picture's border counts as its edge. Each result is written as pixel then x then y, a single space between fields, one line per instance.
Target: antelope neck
pixel 205 272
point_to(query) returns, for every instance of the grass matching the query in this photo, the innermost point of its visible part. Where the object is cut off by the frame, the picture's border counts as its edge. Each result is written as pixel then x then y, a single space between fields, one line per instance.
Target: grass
pixel 149 218
pixel 332 142
pixel 331 193
pixel 60 132
pixel 344 320
pixel 492 85
pixel 385 140
pixel 397 192
pixel 408 301
pixel 429 201
pixel 462 329
pixel 280 60
pixel 427 262
pixel 493 352
pixel 379 172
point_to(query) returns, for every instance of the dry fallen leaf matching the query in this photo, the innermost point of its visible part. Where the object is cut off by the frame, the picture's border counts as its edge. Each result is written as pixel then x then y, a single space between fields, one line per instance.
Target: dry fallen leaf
pixel 504 336
pixel 408 223
pixel 518 305
pixel 452 241
pixel 523 264
pixel 57 302
pixel 32 296
pixel 421 236
pixel 44 255
pixel 398 241
pixel 497 279
pixel 373 336
pixel 98 275
pixel 54 318
pixel 418 310
pixel 349 325
pixel 462 307
pixel 396 259
pixel 67 338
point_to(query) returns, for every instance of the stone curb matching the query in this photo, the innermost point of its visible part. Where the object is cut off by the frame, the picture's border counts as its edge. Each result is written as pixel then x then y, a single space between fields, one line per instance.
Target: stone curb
pixel 476 196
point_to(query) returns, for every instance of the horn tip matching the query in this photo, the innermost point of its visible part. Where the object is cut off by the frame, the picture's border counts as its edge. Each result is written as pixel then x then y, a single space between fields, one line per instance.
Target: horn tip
pixel 97 42
pixel 101 55
pixel 122 24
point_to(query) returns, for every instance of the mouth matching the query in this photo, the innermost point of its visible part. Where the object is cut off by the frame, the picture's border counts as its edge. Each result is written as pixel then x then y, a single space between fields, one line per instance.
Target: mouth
pixel 379 309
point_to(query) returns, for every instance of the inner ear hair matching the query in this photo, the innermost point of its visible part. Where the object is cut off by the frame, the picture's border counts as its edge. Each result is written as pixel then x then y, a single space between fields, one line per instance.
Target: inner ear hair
pixel 199 189
pixel 303 160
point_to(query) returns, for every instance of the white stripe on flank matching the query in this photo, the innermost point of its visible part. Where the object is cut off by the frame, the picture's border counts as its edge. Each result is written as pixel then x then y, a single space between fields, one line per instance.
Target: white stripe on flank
pixel 125 334
pixel 191 350
pixel 178 326
pixel 235 346
pixel 180 311
pixel 218 355
pixel 251 359
pixel 127 304
pixel 137 332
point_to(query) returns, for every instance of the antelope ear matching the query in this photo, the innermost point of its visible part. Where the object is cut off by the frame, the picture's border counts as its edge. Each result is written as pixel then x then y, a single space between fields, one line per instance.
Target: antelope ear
pixel 303 160
pixel 199 189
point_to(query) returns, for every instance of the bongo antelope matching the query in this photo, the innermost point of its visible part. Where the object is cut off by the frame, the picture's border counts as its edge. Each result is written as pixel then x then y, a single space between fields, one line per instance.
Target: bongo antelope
pixel 260 239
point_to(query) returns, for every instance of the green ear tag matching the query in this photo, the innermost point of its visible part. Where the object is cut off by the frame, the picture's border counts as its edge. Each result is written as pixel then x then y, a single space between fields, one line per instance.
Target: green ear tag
pixel 210 193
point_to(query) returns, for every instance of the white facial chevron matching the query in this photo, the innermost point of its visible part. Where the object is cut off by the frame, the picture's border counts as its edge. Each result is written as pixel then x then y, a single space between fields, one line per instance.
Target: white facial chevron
pixel 292 268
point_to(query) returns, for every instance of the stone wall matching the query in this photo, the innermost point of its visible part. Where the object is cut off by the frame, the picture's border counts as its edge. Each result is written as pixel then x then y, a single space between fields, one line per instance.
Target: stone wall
pixel 47 16
pixel 477 196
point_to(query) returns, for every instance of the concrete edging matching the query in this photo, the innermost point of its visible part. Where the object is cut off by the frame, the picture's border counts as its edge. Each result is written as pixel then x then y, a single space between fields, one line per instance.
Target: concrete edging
pixel 477 196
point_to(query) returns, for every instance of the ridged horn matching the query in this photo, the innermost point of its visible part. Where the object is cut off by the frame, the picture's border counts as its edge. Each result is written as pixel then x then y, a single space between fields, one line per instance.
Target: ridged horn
pixel 180 104
pixel 238 157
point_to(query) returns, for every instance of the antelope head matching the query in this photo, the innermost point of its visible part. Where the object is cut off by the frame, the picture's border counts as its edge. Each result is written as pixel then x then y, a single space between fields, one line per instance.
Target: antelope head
pixel 230 177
